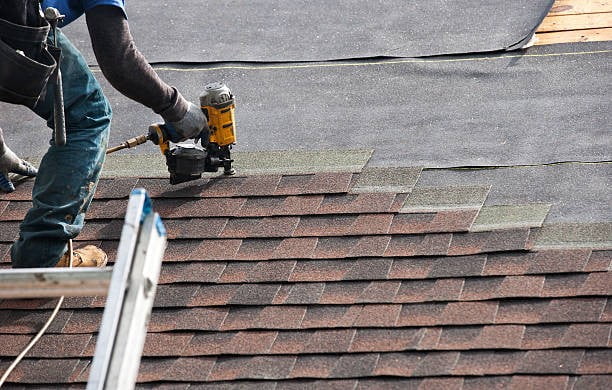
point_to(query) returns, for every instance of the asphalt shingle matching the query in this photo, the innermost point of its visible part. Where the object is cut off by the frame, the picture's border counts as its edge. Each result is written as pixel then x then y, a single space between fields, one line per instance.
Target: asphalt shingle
pixel 320 279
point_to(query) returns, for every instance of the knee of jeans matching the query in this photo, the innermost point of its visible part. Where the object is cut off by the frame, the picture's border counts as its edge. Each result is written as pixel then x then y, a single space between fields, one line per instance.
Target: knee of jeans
pixel 99 108
pixel 92 113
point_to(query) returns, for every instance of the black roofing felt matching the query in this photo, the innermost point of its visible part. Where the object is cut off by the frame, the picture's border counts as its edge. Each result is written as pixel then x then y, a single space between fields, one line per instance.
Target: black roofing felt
pixel 543 105
pixel 319 30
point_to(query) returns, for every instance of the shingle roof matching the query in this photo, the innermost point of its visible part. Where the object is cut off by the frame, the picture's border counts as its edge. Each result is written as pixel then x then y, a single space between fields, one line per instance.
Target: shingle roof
pixel 339 280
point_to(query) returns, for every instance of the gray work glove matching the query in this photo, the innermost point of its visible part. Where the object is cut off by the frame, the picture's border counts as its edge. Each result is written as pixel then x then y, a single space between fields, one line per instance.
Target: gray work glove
pixel 10 163
pixel 192 125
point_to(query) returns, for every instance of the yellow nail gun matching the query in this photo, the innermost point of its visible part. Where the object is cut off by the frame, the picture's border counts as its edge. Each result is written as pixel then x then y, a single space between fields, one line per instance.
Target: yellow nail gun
pixel 188 162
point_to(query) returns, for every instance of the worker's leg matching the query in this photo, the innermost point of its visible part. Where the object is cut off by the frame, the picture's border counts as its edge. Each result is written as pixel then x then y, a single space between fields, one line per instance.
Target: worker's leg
pixel 68 174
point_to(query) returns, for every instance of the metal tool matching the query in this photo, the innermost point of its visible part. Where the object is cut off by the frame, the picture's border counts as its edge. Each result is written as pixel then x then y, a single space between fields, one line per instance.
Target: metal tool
pixel 53 16
pixel 187 162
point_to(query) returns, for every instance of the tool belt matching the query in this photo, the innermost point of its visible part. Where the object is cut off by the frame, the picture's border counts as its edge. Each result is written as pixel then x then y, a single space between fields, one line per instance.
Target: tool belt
pixel 26 62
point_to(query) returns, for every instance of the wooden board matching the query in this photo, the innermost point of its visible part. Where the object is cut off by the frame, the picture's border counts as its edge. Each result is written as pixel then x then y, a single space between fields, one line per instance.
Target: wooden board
pixel 591 35
pixel 575 7
pixel 576 22
pixel 54 282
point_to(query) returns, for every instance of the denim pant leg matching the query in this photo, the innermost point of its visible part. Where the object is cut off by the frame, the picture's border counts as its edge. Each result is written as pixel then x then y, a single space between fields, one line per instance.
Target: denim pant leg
pixel 68 174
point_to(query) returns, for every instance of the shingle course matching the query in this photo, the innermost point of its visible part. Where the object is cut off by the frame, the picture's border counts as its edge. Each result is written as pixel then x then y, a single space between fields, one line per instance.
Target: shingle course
pixel 291 281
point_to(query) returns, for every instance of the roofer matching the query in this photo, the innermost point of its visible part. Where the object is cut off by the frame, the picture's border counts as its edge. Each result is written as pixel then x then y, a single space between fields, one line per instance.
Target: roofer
pixel 68 174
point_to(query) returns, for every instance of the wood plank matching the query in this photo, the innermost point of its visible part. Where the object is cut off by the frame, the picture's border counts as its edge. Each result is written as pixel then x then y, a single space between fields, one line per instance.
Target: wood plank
pixel 54 282
pixel 592 35
pixel 576 22
pixel 574 7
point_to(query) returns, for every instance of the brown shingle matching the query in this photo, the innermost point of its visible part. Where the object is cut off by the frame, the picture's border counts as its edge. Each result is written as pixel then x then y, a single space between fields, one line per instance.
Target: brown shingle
pixel 23 192
pixel 303 293
pixel 5 256
pixel 429 290
pixel 320 270
pixel 494 241
pixel 30 321
pixel 295 248
pixel 195 207
pixel 254 294
pixel 260 227
pixel 313 366
pixel 168 344
pixel 599 261
pixel 461 313
pixel 191 272
pixel 360 365
pixel 195 318
pixel 182 250
pixel 338 293
pixel 318 183
pixel 13 211
pixel 212 295
pixel 222 187
pixel 277 317
pixel 356 203
pixel 271 271
pixel 175 295
pixel 42 371
pixel 9 231
pixel 488 362
pixel 551 361
pixel 341 225
pixel 438 222
pixel 477 337
pixel 597 361
pixel 49 346
pixel 420 314
pixel 380 292
pixel 370 246
pixel 334 247
pixel 436 364
pixel 117 188
pixel 195 228
pixel 378 315
pixel 279 205
pixel 521 311
pixel 258 185
pixel 359 293
pixel 418 245
pixel 574 310
pixel 386 340
pixel 257 249
pixel 331 316
pixel 191 369
pixel 534 382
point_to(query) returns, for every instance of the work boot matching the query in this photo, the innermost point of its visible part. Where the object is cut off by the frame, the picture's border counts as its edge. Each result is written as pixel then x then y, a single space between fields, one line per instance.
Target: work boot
pixel 88 256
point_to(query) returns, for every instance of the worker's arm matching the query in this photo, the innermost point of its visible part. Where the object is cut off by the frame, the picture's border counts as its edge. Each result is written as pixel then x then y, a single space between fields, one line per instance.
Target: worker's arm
pixel 129 72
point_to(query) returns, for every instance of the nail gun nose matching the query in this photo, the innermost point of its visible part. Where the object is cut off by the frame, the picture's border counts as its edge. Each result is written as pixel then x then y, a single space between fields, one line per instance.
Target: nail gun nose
pixel 130 143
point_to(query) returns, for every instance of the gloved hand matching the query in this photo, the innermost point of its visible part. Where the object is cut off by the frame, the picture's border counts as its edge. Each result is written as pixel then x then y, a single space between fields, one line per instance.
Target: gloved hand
pixel 10 163
pixel 194 124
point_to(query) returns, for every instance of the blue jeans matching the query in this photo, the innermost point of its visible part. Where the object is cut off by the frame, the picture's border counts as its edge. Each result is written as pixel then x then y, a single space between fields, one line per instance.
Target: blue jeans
pixel 68 175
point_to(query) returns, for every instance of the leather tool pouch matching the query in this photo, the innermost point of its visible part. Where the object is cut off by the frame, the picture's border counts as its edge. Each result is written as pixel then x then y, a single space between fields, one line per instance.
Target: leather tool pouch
pixel 25 61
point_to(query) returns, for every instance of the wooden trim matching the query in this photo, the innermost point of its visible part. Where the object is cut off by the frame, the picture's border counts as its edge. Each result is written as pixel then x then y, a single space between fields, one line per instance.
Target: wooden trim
pixel 591 35
pixel 575 7
pixel 576 22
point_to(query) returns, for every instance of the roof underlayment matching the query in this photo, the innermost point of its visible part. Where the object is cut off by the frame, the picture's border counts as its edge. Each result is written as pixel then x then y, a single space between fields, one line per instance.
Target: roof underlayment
pixel 395 223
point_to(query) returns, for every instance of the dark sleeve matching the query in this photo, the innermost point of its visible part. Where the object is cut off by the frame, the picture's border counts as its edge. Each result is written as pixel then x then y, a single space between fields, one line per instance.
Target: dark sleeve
pixel 126 68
